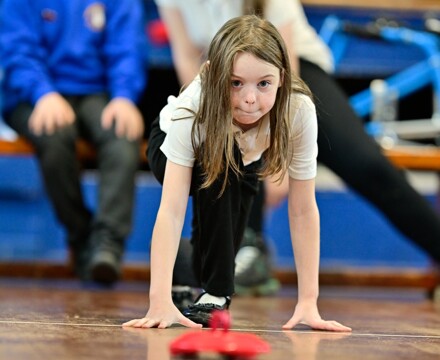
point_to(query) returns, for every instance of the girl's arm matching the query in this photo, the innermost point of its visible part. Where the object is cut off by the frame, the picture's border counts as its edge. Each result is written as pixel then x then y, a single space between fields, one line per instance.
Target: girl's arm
pixel 304 229
pixel 165 243
pixel 187 57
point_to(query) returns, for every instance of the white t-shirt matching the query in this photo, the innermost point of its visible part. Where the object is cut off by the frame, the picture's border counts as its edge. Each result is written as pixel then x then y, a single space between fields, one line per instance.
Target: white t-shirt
pixel 176 121
pixel 203 18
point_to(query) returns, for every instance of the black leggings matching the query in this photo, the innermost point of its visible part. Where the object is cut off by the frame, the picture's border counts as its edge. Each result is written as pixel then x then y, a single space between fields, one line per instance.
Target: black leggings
pixel 346 149
pixel 218 222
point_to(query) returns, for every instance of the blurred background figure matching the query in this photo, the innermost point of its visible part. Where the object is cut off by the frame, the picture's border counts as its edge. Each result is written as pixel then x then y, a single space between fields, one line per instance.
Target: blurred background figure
pixel 75 69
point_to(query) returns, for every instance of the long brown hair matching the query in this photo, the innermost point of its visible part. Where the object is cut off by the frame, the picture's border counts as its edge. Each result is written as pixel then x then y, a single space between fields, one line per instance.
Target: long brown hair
pixel 252 34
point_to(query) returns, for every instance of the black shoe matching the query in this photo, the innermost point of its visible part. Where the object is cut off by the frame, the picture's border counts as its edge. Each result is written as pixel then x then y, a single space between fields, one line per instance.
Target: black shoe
pixel 79 260
pixel 183 298
pixel 79 254
pixel 202 313
pixel 105 260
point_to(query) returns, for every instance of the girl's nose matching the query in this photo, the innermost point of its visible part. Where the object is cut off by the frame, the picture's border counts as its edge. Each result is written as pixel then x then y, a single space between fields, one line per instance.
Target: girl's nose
pixel 249 98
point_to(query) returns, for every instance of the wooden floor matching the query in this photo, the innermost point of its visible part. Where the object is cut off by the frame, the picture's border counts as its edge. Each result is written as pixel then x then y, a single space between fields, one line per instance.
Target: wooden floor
pixel 62 319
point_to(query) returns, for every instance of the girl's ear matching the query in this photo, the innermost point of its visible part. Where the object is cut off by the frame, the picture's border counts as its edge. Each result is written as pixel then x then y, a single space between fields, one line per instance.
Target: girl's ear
pixel 203 68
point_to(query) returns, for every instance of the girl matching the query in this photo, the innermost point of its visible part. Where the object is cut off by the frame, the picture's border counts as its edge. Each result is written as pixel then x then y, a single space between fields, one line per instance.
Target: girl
pixel 246 105
pixel 191 24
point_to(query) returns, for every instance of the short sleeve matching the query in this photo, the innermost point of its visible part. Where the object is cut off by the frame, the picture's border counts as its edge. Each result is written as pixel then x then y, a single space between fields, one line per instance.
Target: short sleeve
pixel 303 146
pixel 177 145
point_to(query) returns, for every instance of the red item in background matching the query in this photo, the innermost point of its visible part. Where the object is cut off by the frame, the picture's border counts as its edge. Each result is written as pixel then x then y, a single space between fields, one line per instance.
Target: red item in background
pixel 219 340
pixel 157 32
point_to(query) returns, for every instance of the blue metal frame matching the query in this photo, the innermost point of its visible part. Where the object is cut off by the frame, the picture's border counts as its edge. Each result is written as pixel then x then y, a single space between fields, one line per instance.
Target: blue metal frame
pixel 406 81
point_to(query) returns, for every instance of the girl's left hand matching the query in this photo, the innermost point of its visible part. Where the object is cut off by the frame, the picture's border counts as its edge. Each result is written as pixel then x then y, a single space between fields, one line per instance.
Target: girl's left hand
pixel 161 314
pixel 308 314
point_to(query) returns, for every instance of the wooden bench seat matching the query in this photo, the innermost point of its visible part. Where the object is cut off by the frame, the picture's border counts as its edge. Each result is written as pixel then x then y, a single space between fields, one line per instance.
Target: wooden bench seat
pixel 407 157
pixel 415 158
pixel 85 151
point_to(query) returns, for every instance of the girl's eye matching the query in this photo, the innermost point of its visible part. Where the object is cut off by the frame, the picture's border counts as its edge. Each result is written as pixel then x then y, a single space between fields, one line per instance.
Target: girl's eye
pixel 235 83
pixel 264 83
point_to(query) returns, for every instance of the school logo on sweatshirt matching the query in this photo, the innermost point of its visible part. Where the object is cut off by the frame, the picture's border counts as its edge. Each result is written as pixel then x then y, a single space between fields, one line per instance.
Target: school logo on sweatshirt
pixel 49 15
pixel 94 16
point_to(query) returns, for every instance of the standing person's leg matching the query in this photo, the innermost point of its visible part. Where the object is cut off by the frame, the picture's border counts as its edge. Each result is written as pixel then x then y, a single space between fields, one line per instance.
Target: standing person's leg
pixel 61 174
pixel 118 162
pixel 346 149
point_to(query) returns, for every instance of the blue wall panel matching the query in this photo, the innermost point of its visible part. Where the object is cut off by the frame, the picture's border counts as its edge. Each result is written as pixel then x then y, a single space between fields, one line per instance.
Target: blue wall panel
pixel 352 232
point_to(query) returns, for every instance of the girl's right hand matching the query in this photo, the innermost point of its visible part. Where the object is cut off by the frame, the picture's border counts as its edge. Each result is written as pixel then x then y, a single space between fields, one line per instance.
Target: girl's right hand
pixel 161 317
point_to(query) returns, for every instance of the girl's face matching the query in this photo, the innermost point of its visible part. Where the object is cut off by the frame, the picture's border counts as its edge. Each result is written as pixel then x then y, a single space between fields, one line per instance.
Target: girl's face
pixel 254 86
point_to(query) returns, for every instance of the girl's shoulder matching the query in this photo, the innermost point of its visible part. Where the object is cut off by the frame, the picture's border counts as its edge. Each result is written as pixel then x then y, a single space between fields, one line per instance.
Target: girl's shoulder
pixel 182 107
pixel 301 101
pixel 302 112
pixel 187 103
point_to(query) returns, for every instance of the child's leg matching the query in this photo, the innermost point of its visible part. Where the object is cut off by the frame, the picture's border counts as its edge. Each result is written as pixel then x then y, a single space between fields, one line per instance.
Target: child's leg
pixel 60 171
pixel 118 162
pixel 218 227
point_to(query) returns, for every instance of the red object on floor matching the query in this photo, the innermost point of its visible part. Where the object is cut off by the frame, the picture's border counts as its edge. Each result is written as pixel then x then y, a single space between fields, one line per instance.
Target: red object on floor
pixel 219 340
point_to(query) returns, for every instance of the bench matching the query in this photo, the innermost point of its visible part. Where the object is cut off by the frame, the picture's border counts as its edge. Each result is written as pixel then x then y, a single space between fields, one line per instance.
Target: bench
pixel 406 157
pixel 85 151
pixel 415 158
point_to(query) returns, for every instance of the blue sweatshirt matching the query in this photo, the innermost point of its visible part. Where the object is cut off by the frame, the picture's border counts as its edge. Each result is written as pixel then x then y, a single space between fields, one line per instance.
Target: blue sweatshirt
pixel 74 47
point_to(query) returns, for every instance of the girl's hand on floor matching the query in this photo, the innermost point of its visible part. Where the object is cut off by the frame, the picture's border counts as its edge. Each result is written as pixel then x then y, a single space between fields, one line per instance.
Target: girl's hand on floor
pixel 161 318
pixel 307 314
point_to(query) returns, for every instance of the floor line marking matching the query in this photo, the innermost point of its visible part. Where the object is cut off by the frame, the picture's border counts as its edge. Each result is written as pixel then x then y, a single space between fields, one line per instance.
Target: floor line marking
pixel 333 333
pixel 325 333
pixel 55 323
